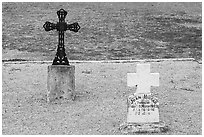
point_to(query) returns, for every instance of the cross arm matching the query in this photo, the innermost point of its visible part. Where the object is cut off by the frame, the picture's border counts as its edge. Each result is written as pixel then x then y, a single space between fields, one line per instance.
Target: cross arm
pixel 73 27
pixel 49 26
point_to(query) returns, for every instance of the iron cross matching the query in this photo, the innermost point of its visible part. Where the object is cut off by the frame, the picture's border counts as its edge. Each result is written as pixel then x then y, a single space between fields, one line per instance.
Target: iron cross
pixel 61 26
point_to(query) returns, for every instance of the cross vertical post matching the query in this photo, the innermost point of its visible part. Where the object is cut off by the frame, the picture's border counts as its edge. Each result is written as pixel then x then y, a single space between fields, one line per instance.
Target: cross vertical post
pixel 61 27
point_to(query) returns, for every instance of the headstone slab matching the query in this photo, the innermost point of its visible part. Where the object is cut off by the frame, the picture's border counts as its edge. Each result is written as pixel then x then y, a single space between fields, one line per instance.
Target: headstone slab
pixel 142 108
pixel 60 82
pixel 143 115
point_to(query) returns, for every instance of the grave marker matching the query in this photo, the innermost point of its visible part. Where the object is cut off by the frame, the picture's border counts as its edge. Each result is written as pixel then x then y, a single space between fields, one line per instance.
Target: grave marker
pixel 61 79
pixel 142 107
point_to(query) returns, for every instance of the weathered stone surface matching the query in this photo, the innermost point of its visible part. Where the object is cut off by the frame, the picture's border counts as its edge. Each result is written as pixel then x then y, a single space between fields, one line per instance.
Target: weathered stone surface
pixel 60 82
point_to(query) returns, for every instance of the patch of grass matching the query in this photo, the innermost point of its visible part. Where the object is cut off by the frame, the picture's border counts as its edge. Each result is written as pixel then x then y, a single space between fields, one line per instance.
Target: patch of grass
pixel 108 30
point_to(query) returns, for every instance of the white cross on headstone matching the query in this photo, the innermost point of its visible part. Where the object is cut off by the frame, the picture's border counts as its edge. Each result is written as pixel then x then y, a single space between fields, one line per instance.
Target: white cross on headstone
pixel 143 79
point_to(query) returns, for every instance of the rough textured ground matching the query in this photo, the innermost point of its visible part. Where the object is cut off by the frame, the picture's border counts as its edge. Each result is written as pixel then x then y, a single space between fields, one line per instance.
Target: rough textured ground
pixel 108 30
pixel 100 105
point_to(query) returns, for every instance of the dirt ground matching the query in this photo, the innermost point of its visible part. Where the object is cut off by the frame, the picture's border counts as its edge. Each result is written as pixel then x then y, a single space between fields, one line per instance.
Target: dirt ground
pixel 100 105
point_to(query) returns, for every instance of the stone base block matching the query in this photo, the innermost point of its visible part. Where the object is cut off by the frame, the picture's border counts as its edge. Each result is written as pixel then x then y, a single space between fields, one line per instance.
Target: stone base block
pixel 143 128
pixel 60 82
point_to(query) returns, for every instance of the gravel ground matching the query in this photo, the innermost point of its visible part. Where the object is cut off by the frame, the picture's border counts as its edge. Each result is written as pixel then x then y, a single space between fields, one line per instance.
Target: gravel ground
pixel 100 106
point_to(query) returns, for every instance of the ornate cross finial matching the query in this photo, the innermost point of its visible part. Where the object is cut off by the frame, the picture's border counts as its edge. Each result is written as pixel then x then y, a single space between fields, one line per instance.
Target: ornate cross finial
pixel 61 26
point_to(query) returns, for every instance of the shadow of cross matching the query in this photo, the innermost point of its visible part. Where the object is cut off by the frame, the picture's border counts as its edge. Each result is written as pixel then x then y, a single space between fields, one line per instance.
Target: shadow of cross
pixel 61 26
pixel 143 79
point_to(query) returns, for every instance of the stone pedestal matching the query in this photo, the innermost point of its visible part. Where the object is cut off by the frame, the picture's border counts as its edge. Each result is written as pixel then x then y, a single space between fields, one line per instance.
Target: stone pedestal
pixel 60 82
